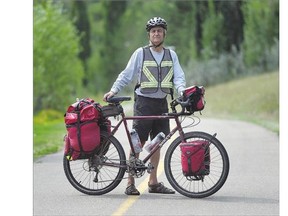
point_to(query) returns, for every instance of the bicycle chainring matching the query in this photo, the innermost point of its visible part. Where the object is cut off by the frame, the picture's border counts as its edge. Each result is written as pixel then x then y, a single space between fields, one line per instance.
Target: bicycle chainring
pixel 136 167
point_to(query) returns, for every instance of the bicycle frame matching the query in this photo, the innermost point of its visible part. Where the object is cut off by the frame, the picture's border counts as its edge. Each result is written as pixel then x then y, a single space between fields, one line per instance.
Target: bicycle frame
pixel 125 120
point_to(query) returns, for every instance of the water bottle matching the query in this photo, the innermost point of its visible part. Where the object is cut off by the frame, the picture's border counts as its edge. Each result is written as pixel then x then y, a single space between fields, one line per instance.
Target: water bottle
pixel 155 141
pixel 136 141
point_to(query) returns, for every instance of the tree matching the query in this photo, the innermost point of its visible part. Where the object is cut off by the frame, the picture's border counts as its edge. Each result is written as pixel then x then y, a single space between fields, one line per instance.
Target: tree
pixel 181 29
pixel 261 31
pixel 80 17
pixel 213 38
pixel 201 8
pixel 233 23
pixel 57 69
pixel 112 45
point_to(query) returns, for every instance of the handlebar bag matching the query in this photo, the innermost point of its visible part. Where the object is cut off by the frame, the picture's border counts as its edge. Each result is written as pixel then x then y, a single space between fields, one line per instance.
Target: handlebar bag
pixel 195 158
pixel 195 95
pixel 83 130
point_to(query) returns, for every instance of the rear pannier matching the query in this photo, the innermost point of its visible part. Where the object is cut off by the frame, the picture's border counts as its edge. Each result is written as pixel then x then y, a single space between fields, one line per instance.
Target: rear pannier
pixel 83 130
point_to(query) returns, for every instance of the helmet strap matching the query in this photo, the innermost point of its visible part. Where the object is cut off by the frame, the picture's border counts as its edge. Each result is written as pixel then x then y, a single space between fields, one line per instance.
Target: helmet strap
pixel 155 46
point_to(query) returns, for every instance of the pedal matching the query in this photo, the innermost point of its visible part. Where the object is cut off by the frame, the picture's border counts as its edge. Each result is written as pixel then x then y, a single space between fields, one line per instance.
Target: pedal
pixel 150 167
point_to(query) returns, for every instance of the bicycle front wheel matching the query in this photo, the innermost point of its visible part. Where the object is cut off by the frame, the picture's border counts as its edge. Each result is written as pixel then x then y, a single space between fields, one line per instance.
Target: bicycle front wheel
pixel 198 186
pixel 101 172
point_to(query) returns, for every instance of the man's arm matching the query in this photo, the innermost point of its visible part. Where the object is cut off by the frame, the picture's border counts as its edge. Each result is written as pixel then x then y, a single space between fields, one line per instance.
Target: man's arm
pixel 179 76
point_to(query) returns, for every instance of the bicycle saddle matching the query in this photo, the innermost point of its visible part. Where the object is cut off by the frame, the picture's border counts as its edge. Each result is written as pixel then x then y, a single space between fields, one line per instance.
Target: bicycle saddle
pixel 118 99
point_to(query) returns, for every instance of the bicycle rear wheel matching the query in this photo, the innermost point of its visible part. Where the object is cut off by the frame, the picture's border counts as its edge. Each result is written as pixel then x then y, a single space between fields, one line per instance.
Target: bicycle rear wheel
pixel 101 172
pixel 197 186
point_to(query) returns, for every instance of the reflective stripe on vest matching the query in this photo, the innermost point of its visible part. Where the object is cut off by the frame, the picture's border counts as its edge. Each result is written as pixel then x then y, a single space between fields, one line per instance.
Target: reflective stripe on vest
pixel 154 76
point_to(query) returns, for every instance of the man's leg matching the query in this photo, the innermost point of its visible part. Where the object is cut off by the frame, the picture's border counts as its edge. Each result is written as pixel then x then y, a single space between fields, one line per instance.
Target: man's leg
pixel 131 189
pixel 131 179
pixel 154 161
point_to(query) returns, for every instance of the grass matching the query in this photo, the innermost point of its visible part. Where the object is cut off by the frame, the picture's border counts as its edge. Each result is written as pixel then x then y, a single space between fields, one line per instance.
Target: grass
pixel 254 99
pixel 48 132
pixel 48 138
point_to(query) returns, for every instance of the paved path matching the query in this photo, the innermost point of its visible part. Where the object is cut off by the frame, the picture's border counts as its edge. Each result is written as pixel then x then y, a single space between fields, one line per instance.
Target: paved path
pixel 252 187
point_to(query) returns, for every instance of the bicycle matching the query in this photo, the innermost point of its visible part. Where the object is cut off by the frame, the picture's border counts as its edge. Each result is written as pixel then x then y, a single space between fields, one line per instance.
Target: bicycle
pixel 102 171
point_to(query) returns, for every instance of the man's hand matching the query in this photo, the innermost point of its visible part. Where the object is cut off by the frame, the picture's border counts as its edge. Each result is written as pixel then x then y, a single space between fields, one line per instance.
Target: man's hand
pixel 108 95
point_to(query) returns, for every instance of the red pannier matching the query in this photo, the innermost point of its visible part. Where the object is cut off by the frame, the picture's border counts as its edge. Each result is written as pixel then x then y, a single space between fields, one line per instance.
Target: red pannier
pixel 195 158
pixel 83 137
pixel 195 94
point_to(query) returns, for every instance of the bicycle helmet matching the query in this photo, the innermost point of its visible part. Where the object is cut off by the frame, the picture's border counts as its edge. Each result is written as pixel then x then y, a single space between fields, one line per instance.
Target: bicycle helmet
pixel 156 21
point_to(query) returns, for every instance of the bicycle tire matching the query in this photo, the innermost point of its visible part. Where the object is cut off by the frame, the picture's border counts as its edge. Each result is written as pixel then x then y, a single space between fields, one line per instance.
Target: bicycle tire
pixel 81 173
pixel 211 183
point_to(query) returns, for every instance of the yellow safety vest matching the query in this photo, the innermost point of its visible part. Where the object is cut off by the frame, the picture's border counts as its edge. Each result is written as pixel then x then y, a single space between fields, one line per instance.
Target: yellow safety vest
pixel 156 76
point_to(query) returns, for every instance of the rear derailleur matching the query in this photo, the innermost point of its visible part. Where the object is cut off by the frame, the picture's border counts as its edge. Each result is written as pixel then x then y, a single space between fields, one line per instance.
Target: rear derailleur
pixel 94 164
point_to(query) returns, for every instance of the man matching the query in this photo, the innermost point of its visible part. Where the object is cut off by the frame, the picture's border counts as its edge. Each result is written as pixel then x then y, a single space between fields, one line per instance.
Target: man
pixel 157 70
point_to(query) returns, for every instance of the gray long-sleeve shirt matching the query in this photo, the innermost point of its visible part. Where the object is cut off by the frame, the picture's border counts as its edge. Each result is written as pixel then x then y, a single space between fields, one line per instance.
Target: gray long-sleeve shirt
pixel 134 68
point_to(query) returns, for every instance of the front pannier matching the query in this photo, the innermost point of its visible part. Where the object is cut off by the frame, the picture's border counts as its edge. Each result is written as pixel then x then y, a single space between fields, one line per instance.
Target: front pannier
pixel 195 158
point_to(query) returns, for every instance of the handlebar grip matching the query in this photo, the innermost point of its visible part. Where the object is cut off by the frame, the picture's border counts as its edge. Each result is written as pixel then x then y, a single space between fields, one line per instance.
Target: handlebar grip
pixel 118 99
pixel 182 103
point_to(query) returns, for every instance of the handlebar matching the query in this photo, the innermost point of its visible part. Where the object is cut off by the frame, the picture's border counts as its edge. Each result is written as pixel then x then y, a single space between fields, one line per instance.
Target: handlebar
pixel 183 104
pixel 173 104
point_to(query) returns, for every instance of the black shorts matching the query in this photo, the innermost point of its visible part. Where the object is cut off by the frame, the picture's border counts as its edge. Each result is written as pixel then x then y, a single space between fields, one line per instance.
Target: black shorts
pixel 144 106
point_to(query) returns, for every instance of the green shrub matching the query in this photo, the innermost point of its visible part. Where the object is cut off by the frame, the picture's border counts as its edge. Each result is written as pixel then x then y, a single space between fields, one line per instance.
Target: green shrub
pixel 48 116
pixel 57 70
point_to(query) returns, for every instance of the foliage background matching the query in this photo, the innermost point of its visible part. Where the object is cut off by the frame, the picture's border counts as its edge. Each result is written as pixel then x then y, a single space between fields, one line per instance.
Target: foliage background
pixel 81 46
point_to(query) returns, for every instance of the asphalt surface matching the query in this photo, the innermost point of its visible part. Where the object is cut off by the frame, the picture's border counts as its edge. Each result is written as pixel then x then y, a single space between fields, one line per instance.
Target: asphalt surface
pixel 252 187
